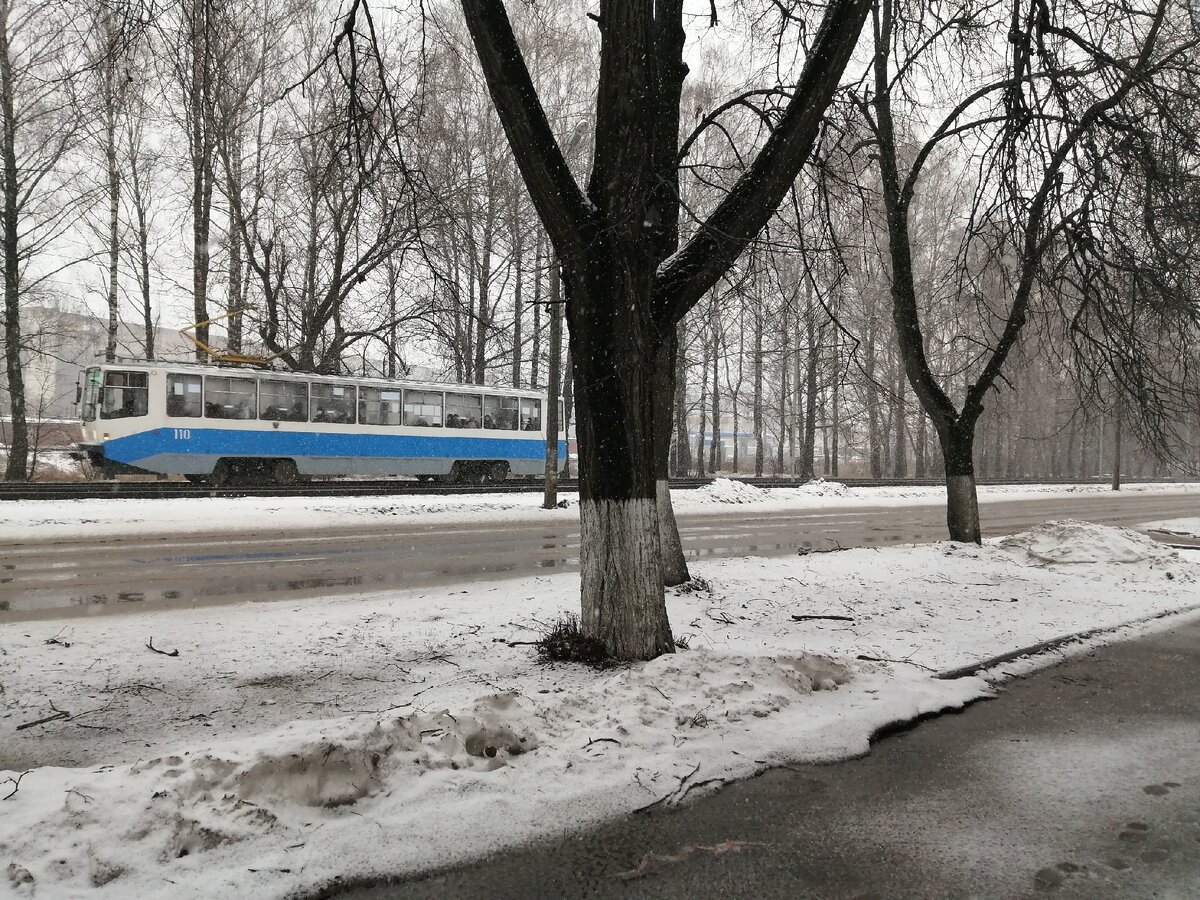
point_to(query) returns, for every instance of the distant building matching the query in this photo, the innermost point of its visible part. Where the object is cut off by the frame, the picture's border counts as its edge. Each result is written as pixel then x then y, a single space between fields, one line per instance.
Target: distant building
pixel 60 343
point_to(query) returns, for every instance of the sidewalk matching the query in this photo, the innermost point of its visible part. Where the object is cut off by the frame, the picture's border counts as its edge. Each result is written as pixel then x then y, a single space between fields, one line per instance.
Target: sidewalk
pixel 1078 782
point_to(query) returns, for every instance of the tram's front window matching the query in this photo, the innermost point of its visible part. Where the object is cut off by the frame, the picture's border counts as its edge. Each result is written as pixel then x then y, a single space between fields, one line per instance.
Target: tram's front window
pixel 91 394
pixel 125 395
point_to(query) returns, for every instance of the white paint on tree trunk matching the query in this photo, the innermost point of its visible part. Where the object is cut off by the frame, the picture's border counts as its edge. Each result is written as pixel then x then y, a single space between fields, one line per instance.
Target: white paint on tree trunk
pixel 674 566
pixel 621 587
pixel 962 508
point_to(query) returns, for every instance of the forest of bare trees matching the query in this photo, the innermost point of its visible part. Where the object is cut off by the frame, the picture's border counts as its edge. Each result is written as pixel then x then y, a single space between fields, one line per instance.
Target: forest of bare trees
pixel 861 238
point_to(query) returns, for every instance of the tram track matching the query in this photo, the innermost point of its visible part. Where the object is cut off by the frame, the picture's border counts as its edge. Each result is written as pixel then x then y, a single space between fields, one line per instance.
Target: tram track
pixel 171 490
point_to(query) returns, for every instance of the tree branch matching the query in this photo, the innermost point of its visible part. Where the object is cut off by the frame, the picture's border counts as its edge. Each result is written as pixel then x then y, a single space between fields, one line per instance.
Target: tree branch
pixel 556 195
pixel 687 275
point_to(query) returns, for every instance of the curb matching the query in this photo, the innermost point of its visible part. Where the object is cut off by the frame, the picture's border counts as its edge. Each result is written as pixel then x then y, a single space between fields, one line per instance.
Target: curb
pixel 1054 644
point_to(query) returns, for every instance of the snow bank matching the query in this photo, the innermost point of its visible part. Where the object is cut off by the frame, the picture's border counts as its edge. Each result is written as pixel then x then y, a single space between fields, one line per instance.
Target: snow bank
pixel 722 490
pixel 1069 541
pixel 291 744
pixel 726 490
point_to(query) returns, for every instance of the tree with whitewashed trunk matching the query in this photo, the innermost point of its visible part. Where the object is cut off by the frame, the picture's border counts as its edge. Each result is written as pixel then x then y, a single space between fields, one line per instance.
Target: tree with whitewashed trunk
pixel 1054 94
pixel 627 280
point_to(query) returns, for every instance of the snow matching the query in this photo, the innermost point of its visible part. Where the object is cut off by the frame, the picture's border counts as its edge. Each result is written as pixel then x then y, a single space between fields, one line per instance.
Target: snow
pixel 290 744
pixel 64 519
pixel 1186 528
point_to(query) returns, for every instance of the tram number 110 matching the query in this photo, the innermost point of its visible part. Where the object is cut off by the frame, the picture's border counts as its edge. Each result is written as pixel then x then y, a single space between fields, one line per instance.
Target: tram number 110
pixel 183 434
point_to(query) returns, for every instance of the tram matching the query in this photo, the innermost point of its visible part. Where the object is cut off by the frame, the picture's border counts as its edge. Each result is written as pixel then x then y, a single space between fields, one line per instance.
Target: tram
pixel 217 424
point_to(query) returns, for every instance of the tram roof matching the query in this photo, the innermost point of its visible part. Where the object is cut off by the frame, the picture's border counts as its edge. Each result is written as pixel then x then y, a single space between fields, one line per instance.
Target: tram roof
pixel 249 371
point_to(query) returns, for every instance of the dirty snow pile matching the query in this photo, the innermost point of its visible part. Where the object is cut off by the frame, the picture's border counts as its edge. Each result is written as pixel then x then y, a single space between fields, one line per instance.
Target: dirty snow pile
pixel 291 744
pixel 724 490
pixel 727 490
pixel 1069 541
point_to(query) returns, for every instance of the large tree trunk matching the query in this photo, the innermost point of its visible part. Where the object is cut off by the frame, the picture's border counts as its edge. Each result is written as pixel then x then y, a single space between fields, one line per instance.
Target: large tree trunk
pixel 622 585
pixel 683 445
pixel 836 409
pixel 674 565
pixel 962 502
pixel 114 234
pixel 535 347
pixel 808 448
pixel 611 241
pixel 18 446
pixel 1116 447
pixel 518 252
pixel 757 411
pixel 714 446
pixel 553 389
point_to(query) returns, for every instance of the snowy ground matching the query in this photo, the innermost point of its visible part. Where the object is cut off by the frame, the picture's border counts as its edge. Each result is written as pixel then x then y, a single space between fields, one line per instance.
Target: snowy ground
pixel 44 519
pixel 288 745
pixel 1184 528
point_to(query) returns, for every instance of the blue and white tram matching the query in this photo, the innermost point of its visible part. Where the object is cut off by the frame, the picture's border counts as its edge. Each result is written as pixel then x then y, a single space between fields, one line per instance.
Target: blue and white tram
pixel 216 423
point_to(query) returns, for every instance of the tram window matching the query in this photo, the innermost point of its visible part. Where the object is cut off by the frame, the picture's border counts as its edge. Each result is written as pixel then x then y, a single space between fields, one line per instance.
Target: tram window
pixel 531 414
pixel 125 395
pixel 228 398
pixel 377 406
pixel 91 394
pixel 463 410
pixel 283 401
pixel 332 403
pixel 423 408
pixel 500 413
pixel 183 396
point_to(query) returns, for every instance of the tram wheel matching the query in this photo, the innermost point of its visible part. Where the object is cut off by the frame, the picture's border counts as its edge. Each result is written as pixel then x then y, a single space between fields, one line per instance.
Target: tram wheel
pixel 497 471
pixel 284 472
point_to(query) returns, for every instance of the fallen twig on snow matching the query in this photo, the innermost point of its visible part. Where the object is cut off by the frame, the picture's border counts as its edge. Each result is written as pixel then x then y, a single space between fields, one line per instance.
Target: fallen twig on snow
pixel 808 549
pixel 58 714
pixel 722 617
pixel 15 782
pixel 806 618
pixel 150 644
pixel 601 741
pixel 884 659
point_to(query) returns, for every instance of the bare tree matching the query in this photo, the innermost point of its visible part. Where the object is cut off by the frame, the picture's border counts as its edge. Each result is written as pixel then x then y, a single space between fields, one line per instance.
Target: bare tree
pixel 625 287
pixel 38 129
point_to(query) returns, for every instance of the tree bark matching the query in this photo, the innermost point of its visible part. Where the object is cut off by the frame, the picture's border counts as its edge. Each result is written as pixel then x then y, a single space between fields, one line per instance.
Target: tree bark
pixel 757 411
pixel 553 389
pixel 18 446
pixel 962 504
pixel 666 364
pixel 622 293
pixel 622 594
pixel 683 442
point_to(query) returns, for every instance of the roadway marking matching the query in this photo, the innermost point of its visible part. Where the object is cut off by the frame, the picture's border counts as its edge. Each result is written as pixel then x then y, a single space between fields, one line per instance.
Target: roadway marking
pixel 246 562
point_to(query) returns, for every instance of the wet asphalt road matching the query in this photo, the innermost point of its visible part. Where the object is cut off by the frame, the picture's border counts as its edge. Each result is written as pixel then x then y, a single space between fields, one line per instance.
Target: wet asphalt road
pixel 1082 781
pixel 57 578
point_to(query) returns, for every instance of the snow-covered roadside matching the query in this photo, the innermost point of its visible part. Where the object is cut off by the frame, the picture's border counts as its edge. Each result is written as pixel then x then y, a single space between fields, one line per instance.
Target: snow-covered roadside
pixel 25 521
pixel 1185 528
pixel 288 745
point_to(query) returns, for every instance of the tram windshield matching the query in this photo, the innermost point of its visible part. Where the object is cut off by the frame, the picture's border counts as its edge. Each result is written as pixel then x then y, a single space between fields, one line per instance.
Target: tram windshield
pixel 91 394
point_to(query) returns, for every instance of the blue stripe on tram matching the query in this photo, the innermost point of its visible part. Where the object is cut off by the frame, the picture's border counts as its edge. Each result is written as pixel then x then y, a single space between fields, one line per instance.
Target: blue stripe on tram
pixel 221 442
